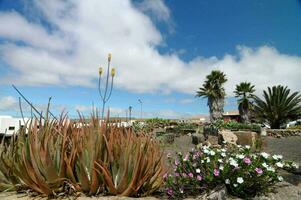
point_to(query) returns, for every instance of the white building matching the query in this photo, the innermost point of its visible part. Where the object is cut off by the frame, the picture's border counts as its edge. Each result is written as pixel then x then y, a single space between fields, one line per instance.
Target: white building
pixel 10 125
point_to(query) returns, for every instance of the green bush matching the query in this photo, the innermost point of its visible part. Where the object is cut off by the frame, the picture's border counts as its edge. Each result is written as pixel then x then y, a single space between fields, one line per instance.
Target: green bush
pixel 245 174
pixel 234 125
pixel 295 127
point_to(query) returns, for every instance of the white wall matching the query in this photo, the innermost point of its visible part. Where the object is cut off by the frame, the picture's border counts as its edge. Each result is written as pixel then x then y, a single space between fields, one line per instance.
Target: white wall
pixel 9 125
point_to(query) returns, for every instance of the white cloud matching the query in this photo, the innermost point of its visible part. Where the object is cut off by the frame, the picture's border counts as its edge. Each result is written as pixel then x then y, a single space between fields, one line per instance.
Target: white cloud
pixel 83 32
pixel 8 103
pixel 157 8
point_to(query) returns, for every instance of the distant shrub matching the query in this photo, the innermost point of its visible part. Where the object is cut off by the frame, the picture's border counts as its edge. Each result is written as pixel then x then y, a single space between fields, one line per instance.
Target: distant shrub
pixel 295 127
pixel 234 125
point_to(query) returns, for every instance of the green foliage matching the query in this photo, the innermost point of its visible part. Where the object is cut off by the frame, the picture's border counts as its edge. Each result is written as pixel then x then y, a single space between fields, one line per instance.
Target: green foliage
pixel 213 86
pixel 234 125
pixel 214 91
pixel 278 106
pixel 157 121
pixel 244 173
pixel 244 92
pixel 295 127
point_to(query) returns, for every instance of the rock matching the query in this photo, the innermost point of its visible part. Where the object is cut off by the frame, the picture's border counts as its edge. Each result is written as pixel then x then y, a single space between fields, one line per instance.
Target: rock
pixel 228 136
pixel 169 138
pixel 219 194
pixel 213 140
pixel 197 138
pixel 283 190
pixel 246 138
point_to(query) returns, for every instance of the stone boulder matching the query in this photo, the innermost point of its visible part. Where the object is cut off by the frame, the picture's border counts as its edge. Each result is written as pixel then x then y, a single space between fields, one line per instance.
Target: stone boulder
pixel 246 138
pixel 227 136
pixel 213 140
pixel 197 138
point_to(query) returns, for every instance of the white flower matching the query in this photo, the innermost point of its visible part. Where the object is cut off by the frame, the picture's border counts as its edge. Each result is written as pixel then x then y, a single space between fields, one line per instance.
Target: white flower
pixel 240 156
pixel 221 167
pixel 223 150
pixel 227 181
pixel 208 160
pixel 224 142
pixel 279 164
pixel 265 155
pixel 212 153
pixel 265 165
pixel 280 178
pixel 271 169
pixel 240 180
pixel 220 160
pixel 233 163
pixel 181 191
pixel 206 151
pixel 235 185
pixel 247 147
pixel 295 165
pixel 277 157
pixel 202 161
pixel 223 154
pixel 198 171
pixel 239 146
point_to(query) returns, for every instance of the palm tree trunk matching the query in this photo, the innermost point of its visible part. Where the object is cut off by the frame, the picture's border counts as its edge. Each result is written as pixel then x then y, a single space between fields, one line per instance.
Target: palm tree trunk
pixel 244 113
pixel 216 108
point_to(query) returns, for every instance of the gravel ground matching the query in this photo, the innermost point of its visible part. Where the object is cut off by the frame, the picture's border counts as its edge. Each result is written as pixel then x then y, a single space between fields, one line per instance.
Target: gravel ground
pixel 289 147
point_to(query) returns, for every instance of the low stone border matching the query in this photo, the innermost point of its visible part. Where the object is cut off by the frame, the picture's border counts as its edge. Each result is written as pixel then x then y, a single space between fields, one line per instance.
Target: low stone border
pixel 283 132
pixel 283 190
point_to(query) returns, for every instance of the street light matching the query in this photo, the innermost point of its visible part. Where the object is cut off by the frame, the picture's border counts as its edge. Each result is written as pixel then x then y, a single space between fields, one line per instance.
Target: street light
pixel 107 93
pixel 140 108
pixel 130 112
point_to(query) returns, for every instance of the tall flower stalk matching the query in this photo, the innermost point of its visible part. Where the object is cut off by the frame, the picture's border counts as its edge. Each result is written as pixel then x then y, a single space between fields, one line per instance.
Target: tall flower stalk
pixel 105 96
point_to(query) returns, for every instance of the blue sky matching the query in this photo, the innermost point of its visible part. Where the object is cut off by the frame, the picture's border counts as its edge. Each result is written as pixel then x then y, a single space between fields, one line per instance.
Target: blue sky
pixel 162 51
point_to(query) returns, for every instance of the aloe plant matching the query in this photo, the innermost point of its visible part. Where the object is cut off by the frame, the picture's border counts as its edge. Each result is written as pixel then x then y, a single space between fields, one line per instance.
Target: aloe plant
pixel 56 157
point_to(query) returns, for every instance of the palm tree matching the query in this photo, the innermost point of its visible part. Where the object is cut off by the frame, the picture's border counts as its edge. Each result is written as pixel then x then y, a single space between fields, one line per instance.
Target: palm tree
pixel 278 106
pixel 214 91
pixel 244 91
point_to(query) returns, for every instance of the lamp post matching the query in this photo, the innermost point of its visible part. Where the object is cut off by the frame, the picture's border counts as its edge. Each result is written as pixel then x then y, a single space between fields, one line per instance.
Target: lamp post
pixel 108 85
pixel 130 113
pixel 140 108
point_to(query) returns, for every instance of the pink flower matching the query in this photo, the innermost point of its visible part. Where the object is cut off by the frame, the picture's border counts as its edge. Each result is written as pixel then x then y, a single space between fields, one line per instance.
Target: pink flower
pixel 169 192
pixel 258 170
pixel 177 162
pixel 184 175
pixel 247 160
pixel 199 178
pixel 165 176
pixel 186 157
pixel 216 172
pixel 177 174
pixel 190 175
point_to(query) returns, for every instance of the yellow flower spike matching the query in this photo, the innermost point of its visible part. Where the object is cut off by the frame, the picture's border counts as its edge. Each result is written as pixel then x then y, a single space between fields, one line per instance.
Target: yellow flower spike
pixel 113 72
pixel 100 71
pixel 109 57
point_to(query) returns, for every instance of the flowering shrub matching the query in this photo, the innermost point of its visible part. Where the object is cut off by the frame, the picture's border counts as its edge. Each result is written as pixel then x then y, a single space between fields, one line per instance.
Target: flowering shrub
pixel 244 173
